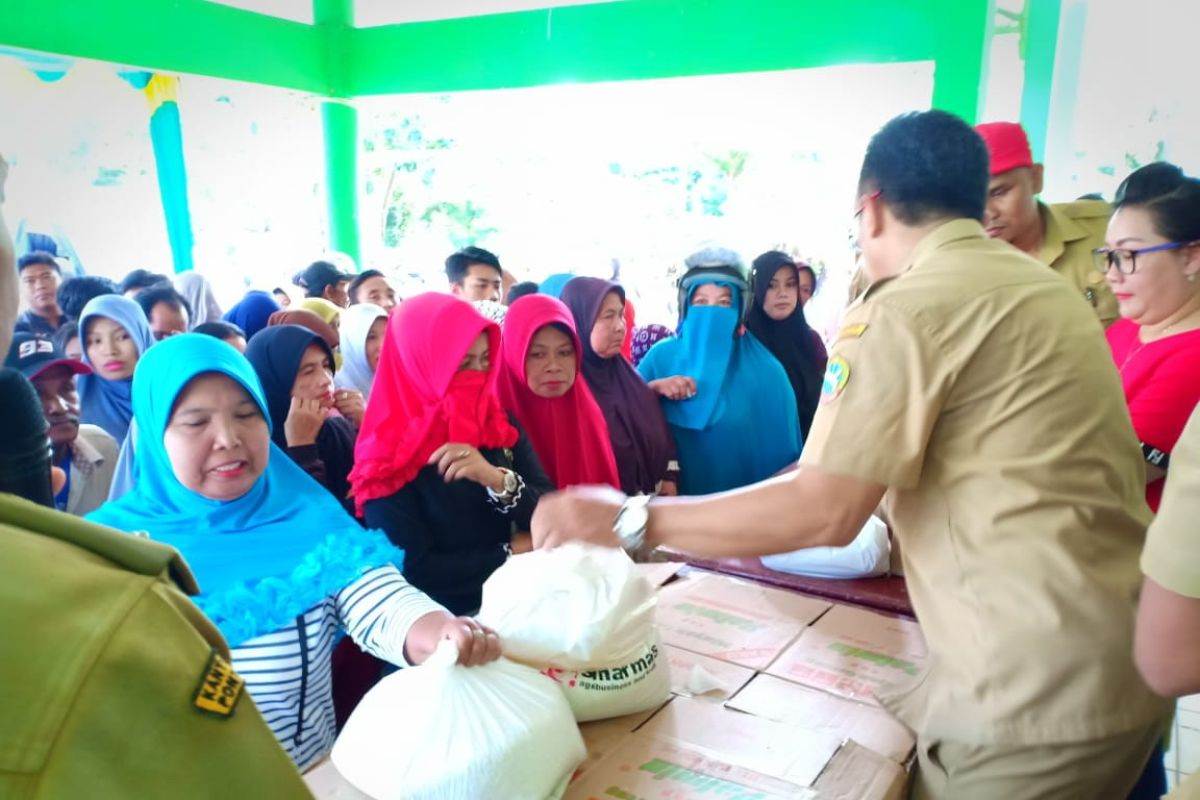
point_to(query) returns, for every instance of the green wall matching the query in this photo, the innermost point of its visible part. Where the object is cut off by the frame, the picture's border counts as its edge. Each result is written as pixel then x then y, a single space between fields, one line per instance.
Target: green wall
pixel 174 36
pixel 640 39
pixel 634 39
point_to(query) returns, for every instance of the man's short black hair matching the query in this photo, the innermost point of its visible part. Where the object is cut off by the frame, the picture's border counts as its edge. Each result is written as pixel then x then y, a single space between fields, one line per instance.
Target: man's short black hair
pixel 458 264
pixel 75 293
pixel 360 279
pixel 927 165
pixel 219 330
pixel 38 258
pixel 142 279
pixel 163 294
pixel 520 290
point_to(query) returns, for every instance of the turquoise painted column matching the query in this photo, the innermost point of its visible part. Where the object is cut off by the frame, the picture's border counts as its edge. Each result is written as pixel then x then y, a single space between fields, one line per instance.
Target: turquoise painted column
pixel 166 137
pixel 1040 48
pixel 339 121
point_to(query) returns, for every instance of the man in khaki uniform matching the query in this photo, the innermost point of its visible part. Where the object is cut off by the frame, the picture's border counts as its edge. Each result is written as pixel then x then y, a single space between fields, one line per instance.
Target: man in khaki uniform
pixel 1168 623
pixel 970 390
pixel 1060 235
pixel 112 683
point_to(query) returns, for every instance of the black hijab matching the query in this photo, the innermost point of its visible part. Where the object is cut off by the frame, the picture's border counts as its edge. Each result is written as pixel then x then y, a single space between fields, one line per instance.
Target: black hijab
pixel 790 340
pixel 276 353
pixel 640 437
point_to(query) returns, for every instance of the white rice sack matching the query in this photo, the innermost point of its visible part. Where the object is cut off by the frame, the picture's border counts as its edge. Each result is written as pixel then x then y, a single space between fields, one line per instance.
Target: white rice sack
pixel 576 607
pixel 445 732
pixel 641 685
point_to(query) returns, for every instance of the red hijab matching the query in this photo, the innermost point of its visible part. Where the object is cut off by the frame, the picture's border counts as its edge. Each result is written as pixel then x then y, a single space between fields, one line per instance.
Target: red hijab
pixel 630 324
pixel 569 433
pixel 421 401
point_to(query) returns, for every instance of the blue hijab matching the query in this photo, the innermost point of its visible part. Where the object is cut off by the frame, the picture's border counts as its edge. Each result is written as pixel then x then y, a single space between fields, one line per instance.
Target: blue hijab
pixel 262 559
pixel 103 402
pixel 252 313
pixel 742 425
pixel 555 284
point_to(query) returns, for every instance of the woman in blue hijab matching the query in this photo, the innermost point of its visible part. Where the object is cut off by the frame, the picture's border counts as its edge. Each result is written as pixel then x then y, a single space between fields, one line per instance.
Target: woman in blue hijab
pixel 736 422
pixel 115 336
pixel 280 563
pixel 252 312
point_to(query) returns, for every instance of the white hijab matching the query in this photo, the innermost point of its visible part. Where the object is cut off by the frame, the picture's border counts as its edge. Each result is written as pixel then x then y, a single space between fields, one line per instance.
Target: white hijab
pixel 356 324
pixel 196 290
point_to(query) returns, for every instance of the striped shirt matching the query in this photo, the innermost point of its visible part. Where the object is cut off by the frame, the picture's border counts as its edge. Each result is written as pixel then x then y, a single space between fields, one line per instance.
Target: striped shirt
pixel 288 672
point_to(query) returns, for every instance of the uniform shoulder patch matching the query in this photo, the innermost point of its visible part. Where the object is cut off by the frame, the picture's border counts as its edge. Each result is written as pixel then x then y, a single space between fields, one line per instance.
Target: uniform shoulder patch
pixel 220 688
pixel 852 331
pixel 837 374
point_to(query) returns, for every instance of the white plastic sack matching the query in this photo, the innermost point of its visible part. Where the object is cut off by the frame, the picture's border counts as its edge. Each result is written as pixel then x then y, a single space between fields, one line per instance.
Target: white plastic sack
pixel 576 607
pixel 868 556
pixel 640 685
pixel 445 732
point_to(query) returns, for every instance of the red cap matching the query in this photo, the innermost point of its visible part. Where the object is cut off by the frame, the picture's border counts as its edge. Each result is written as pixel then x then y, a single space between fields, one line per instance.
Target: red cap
pixel 1007 144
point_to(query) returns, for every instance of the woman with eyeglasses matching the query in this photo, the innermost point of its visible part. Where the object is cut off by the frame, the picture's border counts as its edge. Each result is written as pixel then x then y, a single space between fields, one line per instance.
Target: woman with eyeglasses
pixel 1151 259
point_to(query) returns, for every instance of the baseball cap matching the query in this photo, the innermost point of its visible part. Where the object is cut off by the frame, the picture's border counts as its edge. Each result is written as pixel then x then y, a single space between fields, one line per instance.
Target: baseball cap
pixel 1007 144
pixel 320 274
pixel 32 355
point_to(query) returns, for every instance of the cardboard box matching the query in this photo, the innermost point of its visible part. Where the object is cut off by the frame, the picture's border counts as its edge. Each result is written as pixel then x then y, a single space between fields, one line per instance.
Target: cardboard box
pixel 853 653
pixel 703 677
pixel 648 768
pixel 792 704
pixel 604 736
pixel 732 620
pixel 856 773
pixel 790 754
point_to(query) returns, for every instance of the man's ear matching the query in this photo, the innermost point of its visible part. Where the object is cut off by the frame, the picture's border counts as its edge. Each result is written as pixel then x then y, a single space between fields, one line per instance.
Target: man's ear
pixel 874 211
pixel 456 289
pixel 1037 176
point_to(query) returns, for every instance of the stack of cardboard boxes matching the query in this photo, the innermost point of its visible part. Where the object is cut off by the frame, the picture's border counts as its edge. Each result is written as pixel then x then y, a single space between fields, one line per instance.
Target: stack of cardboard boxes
pixel 773 698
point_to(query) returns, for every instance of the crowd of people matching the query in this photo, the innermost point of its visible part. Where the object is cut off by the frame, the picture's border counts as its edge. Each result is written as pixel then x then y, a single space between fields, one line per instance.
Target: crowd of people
pixel 1009 390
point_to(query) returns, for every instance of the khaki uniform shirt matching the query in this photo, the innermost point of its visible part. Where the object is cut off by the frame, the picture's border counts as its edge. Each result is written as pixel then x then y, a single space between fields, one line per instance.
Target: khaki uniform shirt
pixel 1073 231
pixel 1172 554
pixel 985 400
pixel 93 462
pixel 112 683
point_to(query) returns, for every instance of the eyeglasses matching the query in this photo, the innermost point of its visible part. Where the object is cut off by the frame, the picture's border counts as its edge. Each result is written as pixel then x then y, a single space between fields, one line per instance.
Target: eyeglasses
pixel 855 246
pixel 1126 260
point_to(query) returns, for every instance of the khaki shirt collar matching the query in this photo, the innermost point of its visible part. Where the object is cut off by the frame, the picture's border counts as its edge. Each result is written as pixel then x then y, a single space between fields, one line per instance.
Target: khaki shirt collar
pixel 84 456
pixel 946 233
pixel 1059 231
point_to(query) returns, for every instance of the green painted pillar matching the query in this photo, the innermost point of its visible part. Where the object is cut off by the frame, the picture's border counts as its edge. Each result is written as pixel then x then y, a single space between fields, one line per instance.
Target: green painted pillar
pixel 959 73
pixel 339 120
pixel 1040 48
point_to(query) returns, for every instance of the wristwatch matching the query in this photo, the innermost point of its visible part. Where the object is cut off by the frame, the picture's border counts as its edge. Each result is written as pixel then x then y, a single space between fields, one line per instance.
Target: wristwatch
pixel 510 485
pixel 632 521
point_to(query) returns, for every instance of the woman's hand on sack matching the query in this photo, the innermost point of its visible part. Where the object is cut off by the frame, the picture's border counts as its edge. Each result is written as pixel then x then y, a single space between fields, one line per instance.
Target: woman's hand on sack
pixel 477 645
pixel 520 543
pixel 677 387
pixel 459 462
pixel 582 513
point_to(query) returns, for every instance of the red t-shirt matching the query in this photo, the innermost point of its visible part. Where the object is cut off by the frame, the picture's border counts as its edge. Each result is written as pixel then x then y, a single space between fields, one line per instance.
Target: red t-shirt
pixel 1162 386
